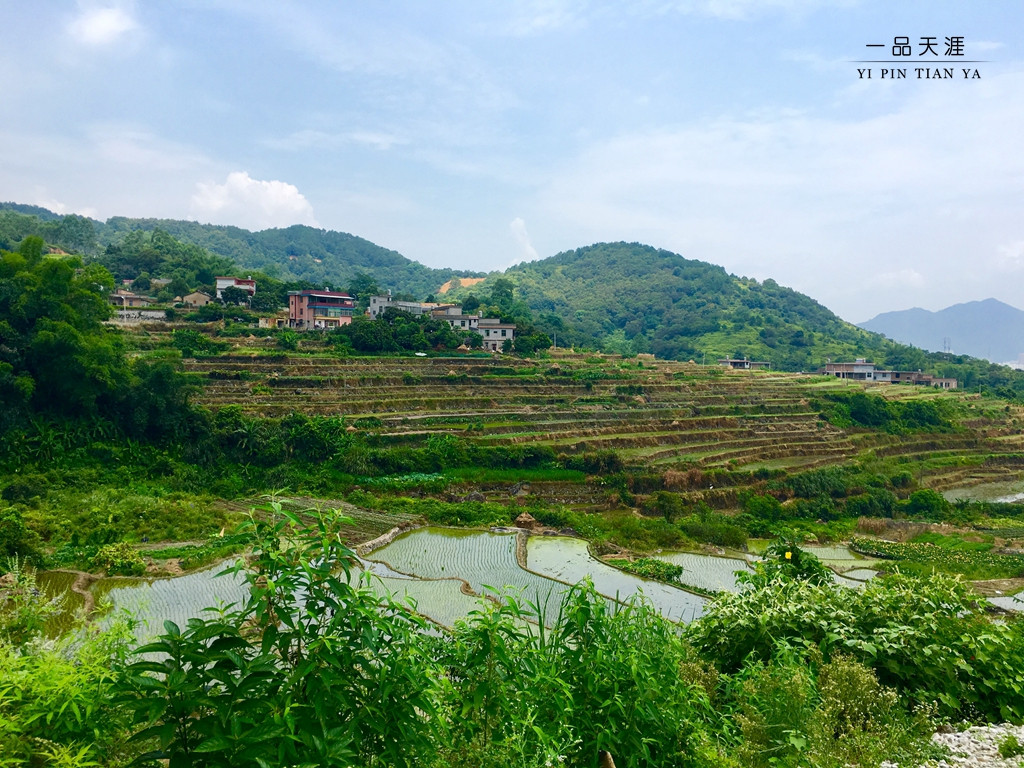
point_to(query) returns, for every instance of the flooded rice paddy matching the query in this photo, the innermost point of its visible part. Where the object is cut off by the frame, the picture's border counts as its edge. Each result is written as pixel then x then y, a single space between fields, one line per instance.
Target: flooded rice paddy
pixel 1005 492
pixel 443 572
pixel 569 560
pixel 151 602
pixel 706 572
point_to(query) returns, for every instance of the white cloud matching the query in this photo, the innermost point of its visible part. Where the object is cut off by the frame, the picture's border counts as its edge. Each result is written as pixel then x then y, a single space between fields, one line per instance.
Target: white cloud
pixel 99 26
pixel 819 202
pixel 526 250
pixel 58 207
pixel 252 203
pixel 1010 257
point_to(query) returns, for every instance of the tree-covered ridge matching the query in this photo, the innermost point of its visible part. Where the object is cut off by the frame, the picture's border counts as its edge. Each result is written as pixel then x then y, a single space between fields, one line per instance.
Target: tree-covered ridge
pixel 296 253
pixel 618 297
pixel 630 298
pixel 634 298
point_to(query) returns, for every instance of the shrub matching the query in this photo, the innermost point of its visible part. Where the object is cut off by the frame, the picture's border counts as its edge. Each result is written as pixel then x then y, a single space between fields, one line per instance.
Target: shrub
pixel 119 559
pixel 928 504
pixel 649 568
pixel 784 559
pixel 775 702
pixel 926 638
pixel 1010 746
pixel 58 697
pixel 715 529
pixel 315 669
pixel 857 720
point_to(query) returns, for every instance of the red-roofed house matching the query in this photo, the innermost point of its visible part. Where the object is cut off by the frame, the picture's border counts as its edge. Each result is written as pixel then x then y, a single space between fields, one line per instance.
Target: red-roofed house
pixel 319 309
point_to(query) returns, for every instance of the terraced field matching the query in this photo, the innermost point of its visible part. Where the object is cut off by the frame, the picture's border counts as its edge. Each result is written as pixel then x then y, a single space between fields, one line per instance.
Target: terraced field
pixel 569 560
pixel 660 414
pixel 486 562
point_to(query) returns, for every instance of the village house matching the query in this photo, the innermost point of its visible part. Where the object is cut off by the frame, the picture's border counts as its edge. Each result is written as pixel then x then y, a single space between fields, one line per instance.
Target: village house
pixel 379 303
pixel 280 320
pixel 247 285
pixel 458 321
pixel 493 331
pixel 314 309
pixel 196 299
pixel 123 299
pixel 861 370
pixel 742 364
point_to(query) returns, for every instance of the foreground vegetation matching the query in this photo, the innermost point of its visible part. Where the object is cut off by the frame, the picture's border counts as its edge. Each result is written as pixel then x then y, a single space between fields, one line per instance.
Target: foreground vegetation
pixel 318 669
pixel 120 453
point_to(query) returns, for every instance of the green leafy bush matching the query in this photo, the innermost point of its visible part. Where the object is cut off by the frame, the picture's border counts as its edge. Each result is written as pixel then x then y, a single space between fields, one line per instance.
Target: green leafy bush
pixel 927 638
pixel 120 559
pixel 57 697
pixel 1010 746
pixel 332 676
pixel 649 568
pixel 714 529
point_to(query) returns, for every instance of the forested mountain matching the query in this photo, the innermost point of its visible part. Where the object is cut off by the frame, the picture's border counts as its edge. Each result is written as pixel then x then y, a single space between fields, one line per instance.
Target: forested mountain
pixel 989 329
pixel 617 297
pixel 630 298
pixel 634 298
pixel 322 257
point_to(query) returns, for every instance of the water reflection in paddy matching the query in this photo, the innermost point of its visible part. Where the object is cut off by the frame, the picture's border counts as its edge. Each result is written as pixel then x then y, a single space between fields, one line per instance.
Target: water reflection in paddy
pixel 440 600
pixel 569 560
pixel 153 601
pixel 712 574
pixel 1003 492
pixel 485 561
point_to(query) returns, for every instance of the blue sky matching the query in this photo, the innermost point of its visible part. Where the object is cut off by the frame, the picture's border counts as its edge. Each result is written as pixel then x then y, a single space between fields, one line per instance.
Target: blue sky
pixel 475 135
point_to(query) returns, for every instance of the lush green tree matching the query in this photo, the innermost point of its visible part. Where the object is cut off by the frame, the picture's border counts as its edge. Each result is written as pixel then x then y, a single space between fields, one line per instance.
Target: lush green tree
pixel 265 301
pixel 57 356
pixel 668 505
pixel 234 296
pixel 928 504
pixel 501 293
pixel 361 287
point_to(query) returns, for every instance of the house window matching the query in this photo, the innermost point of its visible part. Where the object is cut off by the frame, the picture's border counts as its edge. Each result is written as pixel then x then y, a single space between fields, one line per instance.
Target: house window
pixel 503 332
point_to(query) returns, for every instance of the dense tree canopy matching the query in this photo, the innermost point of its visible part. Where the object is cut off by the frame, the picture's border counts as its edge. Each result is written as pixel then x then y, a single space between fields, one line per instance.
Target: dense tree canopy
pixel 57 358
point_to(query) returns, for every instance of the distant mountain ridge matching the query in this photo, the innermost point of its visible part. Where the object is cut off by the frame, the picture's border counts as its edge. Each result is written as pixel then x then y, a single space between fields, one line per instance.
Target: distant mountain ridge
pixel 989 329
pixel 624 298
pixel 324 257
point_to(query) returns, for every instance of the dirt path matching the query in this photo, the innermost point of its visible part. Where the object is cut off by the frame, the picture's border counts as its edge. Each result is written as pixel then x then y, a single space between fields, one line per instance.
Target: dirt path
pixel 81 586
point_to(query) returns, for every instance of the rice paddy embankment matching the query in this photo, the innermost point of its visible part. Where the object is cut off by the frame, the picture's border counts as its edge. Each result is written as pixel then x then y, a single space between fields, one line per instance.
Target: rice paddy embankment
pixel 657 415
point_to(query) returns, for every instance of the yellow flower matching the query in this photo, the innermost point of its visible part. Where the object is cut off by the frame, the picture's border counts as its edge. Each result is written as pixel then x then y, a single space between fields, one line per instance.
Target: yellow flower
pixel 789 555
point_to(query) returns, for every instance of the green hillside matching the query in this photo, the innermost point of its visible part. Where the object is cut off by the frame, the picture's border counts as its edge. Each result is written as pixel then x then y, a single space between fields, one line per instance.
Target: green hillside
pixel 297 253
pixel 319 256
pixel 631 298
pixel 622 298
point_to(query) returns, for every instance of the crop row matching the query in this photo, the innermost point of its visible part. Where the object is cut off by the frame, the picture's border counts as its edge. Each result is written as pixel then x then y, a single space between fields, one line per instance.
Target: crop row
pixel 972 564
